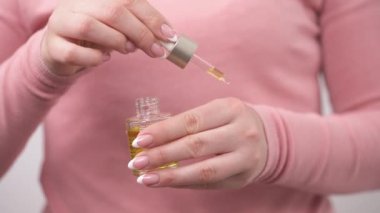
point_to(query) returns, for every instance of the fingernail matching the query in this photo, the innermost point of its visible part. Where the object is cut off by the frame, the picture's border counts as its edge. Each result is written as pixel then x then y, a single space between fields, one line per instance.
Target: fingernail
pixel 148 179
pixel 138 162
pixel 130 47
pixel 168 32
pixel 158 50
pixel 142 141
pixel 106 57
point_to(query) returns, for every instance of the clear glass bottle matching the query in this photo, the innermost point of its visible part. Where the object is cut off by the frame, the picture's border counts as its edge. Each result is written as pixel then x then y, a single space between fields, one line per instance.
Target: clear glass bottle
pixel 147 113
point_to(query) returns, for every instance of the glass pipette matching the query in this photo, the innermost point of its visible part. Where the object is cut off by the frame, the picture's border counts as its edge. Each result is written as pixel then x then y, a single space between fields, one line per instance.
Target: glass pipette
pixel 209 68
pixel 183 50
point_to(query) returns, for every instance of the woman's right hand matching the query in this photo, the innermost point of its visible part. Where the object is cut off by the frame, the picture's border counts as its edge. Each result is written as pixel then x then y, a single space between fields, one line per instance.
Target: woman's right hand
pixel 82 33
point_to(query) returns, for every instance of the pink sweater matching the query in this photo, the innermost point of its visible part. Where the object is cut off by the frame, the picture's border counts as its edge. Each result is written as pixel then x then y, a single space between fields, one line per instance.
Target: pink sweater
pixel 272 52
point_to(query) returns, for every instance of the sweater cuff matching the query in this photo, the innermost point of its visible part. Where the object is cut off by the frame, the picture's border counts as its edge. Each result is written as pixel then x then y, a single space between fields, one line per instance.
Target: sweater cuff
pixel 276 156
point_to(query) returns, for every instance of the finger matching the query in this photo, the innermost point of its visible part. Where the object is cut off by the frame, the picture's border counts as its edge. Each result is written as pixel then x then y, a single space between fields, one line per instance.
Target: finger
pixel 208 171
pixel 66 52
pixel 212 142
pixel 86 28
pixel 233 182
pixel 130 47
pixel 153 19
pixel 209 116
pixel 124 21
pixel 218 185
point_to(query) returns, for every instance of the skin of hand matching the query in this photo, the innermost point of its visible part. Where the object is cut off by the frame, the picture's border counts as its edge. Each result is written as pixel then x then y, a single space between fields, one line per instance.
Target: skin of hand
pixel 226 135
pixel 82 33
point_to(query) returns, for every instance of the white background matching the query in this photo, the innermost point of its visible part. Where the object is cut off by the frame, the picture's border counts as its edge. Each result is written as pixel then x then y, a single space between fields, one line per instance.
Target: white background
pixel 20 190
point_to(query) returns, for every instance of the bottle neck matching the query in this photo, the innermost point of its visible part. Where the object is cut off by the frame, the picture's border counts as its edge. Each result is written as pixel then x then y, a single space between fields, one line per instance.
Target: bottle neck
pixel 147 107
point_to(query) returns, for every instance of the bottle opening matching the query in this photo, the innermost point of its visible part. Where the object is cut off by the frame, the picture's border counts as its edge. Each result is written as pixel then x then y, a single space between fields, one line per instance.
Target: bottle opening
pixel 147 106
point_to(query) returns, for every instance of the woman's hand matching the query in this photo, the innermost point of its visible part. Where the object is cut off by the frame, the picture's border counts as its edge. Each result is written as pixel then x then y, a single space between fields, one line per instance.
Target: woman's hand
pixel 82 33
pixel 226 136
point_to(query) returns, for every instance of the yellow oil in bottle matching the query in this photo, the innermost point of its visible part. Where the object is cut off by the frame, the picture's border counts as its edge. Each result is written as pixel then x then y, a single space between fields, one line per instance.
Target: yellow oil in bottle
pixel 147 113
pixel 132 134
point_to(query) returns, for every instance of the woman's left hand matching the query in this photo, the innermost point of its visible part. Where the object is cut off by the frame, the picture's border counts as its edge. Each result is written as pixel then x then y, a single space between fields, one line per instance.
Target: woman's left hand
pixel 226 135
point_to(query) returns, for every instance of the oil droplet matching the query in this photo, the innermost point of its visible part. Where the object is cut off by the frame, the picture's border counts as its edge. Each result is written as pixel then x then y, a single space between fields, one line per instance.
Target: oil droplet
pixel 217 74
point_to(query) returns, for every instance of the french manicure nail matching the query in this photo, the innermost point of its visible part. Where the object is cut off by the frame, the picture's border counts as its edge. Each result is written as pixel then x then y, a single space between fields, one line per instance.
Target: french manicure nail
pixel 138 162
pixel 148 179
pixel 168 32
pixel 158 50
pixel 142 141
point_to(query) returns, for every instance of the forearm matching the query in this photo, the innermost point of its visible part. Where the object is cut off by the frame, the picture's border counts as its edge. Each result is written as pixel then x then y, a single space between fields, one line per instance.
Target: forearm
pixel 27 93
pixel 334 154
pixel 337 153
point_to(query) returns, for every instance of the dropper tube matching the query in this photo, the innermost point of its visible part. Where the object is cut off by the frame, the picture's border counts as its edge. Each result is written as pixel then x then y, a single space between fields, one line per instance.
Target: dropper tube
pixel 182 52
pixel 206 66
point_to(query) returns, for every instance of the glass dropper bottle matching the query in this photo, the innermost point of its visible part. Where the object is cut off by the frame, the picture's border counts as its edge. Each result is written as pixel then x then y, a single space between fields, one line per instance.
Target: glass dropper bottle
pixel 182 51
pixel 147 113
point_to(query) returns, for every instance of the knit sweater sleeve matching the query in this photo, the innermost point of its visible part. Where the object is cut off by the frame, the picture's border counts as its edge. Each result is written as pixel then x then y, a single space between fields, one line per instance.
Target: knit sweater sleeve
pixel 27 89
pixel 338 153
